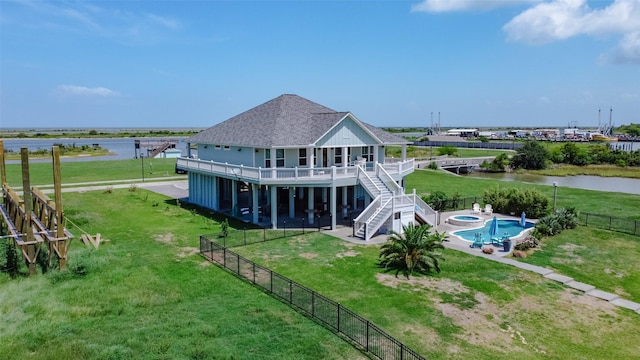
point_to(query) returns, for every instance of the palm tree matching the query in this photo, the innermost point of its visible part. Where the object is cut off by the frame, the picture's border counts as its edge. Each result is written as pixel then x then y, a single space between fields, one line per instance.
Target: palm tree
pixel 413 250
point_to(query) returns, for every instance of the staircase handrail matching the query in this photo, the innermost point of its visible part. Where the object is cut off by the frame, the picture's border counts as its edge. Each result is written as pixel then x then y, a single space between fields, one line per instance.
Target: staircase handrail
pixel 164 146
pixel 373 206
pixel 388 181
pixel 371 227
pixel 362 175
pixel 424 210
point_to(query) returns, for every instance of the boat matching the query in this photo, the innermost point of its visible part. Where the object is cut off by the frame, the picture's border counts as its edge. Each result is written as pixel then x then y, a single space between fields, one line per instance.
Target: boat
pixel 600 137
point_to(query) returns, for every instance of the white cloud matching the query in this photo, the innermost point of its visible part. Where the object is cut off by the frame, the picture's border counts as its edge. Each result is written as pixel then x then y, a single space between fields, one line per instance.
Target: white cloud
pixel 465 5
pixel 628 50
pixel 74 90
pixel 542 100
pixel 562 19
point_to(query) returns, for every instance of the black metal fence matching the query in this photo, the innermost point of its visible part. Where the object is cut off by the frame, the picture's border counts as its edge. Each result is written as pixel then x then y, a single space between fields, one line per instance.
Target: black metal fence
pixel 242 237
pixel 612 223
pixel 331 314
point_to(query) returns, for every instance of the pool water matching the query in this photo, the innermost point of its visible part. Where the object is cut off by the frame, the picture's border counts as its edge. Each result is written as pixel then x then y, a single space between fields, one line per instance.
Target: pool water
pixel 510 228
pixel 466 217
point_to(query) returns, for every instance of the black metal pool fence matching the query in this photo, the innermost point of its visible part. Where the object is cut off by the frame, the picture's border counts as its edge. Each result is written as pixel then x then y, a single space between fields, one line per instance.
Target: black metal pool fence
pixel 329 313
pixel 608 222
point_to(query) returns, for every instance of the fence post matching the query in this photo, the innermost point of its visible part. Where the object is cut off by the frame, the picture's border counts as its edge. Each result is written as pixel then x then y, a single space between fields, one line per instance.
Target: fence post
pixel 271 281
pixel 401 351
pixel 264 234
pixel 254 272
pixel 224 257
pixel 586 219
pixel 303 225
pixel 290 292
pixel 284 228
pixel 366 346
pixel 338 318
pixel 238 263
pixel 313 303
pixel 610 223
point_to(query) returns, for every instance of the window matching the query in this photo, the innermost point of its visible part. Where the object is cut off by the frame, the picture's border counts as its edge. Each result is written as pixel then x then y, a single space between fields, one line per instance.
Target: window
pixel 267 158
pixel 279 157
pixel 367 153
pixel 217 147
pixel 227 147
pixel 338 156
pixel 302 157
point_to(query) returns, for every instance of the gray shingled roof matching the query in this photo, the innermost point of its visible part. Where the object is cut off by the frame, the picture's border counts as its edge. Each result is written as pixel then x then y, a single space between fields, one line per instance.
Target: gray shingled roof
pixel 288 120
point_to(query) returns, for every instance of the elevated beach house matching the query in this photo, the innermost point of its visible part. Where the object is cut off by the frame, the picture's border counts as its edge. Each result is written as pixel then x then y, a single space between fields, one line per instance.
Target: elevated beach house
pixel 292 160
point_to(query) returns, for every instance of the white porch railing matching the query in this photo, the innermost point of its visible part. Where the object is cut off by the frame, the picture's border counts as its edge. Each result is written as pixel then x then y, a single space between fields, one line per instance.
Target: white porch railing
pixel 368 183
pixel 388 181
pixel 259 174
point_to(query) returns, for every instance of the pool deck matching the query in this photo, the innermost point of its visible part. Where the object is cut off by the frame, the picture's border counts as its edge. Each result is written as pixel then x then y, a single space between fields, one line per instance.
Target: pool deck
pixel 456 243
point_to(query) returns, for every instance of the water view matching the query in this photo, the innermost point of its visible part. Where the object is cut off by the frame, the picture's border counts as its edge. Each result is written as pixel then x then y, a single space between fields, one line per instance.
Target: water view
pixel 123 148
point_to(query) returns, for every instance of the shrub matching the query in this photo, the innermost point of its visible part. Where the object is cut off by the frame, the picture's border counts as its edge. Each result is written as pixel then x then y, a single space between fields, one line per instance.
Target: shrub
pixel 433 166
pixel 448 150
pixel 567 218
pixel 437 200
pixel 527 243
pixel 516 201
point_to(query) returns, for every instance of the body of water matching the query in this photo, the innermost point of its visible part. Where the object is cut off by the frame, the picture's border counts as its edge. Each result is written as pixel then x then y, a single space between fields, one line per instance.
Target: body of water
pixel 612 184
pixel 123 148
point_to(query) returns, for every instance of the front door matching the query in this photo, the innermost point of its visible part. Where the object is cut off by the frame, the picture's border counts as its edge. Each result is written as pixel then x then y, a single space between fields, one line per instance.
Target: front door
pixel 325 157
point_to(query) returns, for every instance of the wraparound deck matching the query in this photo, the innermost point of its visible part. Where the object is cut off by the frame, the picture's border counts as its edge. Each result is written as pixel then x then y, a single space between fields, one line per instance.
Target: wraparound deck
pixel 291 176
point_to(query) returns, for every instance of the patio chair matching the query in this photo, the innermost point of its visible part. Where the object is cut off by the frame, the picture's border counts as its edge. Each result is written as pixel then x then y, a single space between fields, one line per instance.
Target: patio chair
pixel 475 209
pixel 477 241
pixel 488 209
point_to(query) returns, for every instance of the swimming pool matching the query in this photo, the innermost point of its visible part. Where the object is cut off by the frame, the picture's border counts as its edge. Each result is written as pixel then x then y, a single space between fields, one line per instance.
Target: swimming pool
pixel 510 228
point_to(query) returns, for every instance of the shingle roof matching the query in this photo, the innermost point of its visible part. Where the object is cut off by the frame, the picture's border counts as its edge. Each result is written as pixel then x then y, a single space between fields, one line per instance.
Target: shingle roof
pixel 288 120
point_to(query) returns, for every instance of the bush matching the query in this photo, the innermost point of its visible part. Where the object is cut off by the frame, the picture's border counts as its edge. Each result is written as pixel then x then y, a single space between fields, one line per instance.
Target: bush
pixel 448 150
pixel 527 243
pixel 437 200
pixel 516 201
pixel 433 166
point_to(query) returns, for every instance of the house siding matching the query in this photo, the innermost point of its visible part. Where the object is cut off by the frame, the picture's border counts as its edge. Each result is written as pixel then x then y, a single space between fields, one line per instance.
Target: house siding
pixel 346 133
pixel 234 154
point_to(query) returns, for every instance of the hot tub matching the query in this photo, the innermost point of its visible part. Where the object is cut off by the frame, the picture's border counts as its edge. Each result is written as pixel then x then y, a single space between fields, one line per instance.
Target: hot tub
pixel 465 220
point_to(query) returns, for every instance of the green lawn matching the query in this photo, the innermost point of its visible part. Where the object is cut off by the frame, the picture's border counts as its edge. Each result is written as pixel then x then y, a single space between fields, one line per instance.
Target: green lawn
pixel 148 295
pixel 607 203
pixel 90 171
pixel 474 309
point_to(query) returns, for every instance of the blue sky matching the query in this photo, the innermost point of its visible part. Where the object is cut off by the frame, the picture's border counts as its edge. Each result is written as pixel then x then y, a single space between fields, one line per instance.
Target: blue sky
pixel 514 63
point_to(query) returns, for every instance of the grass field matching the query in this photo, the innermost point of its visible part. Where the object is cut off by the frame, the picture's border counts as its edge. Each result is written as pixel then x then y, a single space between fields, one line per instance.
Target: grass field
pixel 146 295
pixel 91 171
pixel 608 203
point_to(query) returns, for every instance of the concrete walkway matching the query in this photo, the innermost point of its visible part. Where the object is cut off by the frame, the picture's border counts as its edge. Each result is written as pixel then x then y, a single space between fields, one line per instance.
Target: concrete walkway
pixel 178 189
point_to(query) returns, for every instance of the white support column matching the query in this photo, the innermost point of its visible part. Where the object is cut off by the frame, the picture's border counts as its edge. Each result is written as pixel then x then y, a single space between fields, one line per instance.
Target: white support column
pixel 310 157
pixel 254 203
pixel 345 156
pixel 345 211
pixel 274 207
pixel 333 201
pixel 292 202
pixel 404 152
pixel 310 205
pixel 234 197
pixel 375 154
